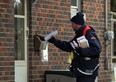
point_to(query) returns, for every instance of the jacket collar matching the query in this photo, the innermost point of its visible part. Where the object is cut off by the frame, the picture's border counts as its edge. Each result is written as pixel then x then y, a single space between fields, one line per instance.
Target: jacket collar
pixel 80 30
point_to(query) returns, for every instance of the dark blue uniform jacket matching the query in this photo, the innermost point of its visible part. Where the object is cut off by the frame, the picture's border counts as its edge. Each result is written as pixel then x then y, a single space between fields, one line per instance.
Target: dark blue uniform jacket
pixel 83 67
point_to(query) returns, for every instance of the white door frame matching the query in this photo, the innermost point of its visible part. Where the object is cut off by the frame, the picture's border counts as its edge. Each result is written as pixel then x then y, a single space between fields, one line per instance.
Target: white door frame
pixel 22 65
pixel 113 67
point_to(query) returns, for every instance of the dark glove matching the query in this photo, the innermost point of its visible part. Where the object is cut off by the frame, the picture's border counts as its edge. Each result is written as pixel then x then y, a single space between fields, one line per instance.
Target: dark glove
pixel 51 40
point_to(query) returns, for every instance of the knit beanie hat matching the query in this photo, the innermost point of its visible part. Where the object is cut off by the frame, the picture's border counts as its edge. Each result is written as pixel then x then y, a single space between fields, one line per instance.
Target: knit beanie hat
pixel 78 18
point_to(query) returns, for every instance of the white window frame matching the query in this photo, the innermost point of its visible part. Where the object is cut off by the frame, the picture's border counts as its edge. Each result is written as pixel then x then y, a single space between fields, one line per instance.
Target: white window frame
pixel 112 29
pixel 25 30
pixel 113 57
pixel 76 8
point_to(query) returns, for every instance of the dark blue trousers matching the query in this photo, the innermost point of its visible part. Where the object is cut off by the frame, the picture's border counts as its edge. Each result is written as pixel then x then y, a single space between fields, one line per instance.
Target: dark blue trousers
pixel 86 79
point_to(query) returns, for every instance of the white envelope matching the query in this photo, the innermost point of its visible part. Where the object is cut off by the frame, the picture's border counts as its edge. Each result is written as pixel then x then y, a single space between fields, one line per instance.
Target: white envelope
pixel 50 35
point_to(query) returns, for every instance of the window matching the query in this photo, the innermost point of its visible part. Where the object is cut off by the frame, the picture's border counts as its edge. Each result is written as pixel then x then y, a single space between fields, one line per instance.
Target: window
pixel 75 6
pixel 19 38
pixel 113 5
pixel 74 2
pixel 113 43
pixel 114 39
pixel 19 24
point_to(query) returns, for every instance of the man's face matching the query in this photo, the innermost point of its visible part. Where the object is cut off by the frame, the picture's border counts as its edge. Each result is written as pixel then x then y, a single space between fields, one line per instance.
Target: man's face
pixel 75 26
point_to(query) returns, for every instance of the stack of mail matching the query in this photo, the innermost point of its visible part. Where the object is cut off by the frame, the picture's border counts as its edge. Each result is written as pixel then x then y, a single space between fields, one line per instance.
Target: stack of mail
pixel 83 42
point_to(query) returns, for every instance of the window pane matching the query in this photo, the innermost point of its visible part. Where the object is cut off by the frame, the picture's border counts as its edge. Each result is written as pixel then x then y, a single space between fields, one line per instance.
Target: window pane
pixel 19 7
pixel 114 38
pixel 113 5
pixel 73 2
pixel 19 38
pixel 73 12
pixel 114 17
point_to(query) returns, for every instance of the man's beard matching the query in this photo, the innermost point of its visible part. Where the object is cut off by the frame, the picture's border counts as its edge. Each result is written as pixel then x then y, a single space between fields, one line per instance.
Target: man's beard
pixel 75 30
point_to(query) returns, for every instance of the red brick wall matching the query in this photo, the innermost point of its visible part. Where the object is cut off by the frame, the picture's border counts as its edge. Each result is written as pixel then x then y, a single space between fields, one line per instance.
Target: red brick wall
pixel 55 14
pixel 48 15
pixel 95 16
pixel 6 41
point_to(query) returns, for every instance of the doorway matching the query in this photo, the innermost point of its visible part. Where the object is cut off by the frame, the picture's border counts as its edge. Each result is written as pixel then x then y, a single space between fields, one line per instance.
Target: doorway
pixel 21 40
pixel 113 45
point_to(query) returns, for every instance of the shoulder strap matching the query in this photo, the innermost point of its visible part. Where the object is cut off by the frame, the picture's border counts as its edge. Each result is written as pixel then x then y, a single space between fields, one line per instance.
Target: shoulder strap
pixel 85 30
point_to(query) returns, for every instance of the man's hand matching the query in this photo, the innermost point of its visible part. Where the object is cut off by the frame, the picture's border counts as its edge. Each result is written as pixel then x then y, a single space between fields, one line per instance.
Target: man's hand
pixel 49 36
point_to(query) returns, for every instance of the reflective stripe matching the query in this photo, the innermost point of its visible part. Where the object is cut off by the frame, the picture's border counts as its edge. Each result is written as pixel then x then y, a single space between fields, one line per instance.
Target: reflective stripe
pixel 86 72
pixel 76 45
pixel 96 67
pixel 87 58
pixel 72 45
